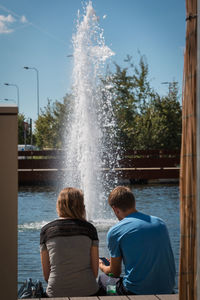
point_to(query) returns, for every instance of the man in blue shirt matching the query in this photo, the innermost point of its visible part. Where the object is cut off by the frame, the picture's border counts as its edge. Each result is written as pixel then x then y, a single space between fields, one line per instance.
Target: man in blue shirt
pixel 142 242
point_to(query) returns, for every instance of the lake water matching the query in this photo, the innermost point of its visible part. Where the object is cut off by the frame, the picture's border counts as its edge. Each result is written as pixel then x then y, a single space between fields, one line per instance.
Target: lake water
pixel 37 206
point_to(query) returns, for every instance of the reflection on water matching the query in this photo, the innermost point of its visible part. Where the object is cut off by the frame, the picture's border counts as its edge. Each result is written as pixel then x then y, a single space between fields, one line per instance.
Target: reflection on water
pixel 37 206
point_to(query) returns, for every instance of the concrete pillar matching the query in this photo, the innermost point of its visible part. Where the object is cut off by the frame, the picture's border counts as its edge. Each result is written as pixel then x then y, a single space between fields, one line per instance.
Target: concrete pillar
pixel 8 201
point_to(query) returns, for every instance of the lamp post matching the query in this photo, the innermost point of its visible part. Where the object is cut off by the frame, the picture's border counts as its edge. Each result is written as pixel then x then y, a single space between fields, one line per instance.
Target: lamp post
pixel 12 84
pixel 37 74
pixel 6 99
pixel 170 84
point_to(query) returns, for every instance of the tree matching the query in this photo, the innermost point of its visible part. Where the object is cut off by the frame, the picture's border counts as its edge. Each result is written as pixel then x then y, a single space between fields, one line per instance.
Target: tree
pixel 167 121
pixel 160 126
pixel 144 119
pixel 24 130
pixel 50 125
pixel 21 120
pixel 131 94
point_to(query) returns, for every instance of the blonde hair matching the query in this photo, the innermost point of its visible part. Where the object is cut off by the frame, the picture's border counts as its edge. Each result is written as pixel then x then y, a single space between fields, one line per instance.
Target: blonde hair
pixel 70 203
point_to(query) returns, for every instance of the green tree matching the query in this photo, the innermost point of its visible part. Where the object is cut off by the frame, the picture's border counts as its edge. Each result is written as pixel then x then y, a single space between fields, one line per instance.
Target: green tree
pixel 160 126
pixel 24 125
pixel 132 92
pixel 144 119
pixel 167 121
pixel 21 120
pixel 50 125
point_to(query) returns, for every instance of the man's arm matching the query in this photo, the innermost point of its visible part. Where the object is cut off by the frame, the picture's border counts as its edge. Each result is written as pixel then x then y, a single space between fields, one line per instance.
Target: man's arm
pixel 114 267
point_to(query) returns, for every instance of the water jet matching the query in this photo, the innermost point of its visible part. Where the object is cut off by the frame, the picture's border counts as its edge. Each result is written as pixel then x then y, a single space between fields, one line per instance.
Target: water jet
pixel 90 139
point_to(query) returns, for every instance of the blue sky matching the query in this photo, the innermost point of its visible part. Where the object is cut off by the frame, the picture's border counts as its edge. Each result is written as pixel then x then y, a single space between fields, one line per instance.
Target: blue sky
pixel 38 33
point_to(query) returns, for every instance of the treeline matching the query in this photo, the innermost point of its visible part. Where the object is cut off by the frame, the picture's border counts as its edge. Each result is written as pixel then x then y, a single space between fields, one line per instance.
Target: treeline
pixel 144 119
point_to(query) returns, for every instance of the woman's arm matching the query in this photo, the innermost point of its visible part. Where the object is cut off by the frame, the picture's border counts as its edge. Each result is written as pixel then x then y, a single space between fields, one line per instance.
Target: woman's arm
pixel 95 259
pixel 45 264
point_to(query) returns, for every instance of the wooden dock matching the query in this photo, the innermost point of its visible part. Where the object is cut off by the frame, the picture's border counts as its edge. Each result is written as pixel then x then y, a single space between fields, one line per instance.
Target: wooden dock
pixel 140 297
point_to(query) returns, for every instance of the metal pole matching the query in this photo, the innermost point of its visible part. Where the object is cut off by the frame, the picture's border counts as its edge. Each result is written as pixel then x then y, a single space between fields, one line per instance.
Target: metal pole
pixel 15 85
pixel 17 96
pixel 38 104
pixel 31 132
pixel 38 99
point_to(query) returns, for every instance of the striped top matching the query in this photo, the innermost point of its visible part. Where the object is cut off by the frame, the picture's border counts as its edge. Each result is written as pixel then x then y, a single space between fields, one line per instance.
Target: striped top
pixel 68 242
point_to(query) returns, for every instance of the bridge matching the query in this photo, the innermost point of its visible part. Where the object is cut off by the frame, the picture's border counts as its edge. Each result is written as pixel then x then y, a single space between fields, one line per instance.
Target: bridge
pixel 137 166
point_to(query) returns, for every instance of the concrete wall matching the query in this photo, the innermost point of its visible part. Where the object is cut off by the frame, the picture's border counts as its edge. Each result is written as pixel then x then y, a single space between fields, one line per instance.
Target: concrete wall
pixel 8 202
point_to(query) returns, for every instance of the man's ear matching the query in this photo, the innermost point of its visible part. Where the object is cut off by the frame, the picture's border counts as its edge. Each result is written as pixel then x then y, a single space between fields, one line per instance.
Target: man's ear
pixel 116 210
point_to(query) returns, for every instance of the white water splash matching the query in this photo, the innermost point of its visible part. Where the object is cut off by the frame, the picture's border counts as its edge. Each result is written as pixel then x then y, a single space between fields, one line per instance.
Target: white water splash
pixel 91 125
pixel 100 224
pixel 32 225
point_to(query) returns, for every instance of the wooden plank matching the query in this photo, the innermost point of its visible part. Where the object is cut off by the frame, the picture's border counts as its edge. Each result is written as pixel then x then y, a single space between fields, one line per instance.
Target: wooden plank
pixel 168 297
pixel 83 298
pixel 149 174
pixel 143 297
pixel 142 153
pixel 129 297
pixel 151 152
pixel 44 163
pixel 41 153
pixel 50 176
pixel 113 297
pixel 60 298
pixel 161 162
pixel 49 163
pixel 39 177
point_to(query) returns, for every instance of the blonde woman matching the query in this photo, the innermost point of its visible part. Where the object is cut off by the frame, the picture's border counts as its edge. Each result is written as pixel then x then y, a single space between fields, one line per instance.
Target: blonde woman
pixel 69 249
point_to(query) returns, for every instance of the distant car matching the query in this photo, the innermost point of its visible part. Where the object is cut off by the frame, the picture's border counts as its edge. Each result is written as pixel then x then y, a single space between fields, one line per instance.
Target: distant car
pixel 27 147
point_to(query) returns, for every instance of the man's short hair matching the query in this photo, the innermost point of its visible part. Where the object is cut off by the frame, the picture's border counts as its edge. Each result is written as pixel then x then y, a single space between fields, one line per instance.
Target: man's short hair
pixel 122 198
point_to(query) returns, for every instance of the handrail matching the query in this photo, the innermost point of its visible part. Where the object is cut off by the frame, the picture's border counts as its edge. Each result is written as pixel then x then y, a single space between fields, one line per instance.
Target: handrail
pixel 127 153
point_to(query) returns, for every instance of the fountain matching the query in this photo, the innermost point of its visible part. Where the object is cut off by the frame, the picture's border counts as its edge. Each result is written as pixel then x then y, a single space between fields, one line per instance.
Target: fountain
pixel 91 127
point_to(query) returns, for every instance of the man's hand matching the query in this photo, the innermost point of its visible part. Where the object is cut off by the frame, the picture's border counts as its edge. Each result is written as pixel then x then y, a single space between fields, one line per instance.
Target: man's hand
pixel 103 267
pixel 115 266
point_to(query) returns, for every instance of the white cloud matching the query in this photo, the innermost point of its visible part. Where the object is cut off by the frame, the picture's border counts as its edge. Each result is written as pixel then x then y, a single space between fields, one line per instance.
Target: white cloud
pixel 8 19
pixel 23 19
pixel 5 21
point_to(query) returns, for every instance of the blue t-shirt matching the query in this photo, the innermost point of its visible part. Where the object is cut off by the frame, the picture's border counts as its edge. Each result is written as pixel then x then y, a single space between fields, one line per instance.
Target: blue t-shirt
pixel 144 245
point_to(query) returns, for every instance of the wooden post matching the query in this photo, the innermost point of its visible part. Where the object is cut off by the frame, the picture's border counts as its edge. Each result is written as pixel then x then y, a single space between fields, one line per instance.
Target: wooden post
pixel 188 175
pixel 8 201
pixel 198 150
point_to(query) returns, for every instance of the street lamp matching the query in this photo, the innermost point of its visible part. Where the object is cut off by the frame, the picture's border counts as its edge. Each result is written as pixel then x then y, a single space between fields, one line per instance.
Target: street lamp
pixel 37 73
pixel 170 84
pixel 12 84
pixel 6 99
